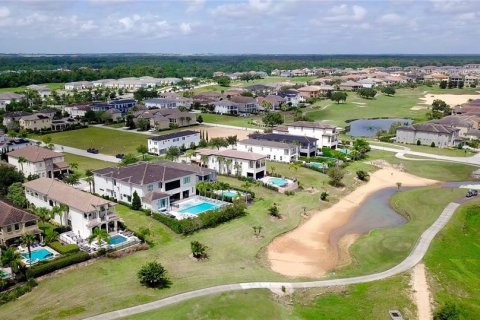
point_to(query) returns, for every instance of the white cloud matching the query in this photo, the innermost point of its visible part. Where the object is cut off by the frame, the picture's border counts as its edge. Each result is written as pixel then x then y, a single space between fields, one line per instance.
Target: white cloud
pixel 195 5
pixel 185 28
pixel 454 6
pixel 345 13
pixel 4 12
pixel 391 18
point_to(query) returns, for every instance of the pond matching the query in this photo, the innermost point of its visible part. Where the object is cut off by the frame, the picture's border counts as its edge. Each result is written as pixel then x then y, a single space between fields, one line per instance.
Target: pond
pixel 369 127
pixel 374 213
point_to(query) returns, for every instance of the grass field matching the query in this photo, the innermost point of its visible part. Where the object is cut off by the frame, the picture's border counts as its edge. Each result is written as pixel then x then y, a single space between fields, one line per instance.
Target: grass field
pixel 231 121
pixel 235 255
pixel 451 152
pixel 437 170
pixel 438 90
pixel 105 140
pixel 85 163
pixel 362 301
pixel 382 249
pixel 453 262
pixel 51 86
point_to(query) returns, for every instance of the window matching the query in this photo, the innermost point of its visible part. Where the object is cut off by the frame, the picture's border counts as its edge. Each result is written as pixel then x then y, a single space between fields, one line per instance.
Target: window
pixel 281 158
pixel 150 187
pixel 9 228
pixel 17 226
pixel 186 180
pixel 159 185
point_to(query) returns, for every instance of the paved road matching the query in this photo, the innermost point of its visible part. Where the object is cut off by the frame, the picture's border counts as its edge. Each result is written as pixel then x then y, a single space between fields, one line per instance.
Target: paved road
pixel 414 258
pixel 402 151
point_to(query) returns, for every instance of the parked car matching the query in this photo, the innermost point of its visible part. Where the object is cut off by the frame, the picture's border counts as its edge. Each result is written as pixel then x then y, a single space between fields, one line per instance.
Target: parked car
pixel 92 150
pixel 120 155
pixel 471 193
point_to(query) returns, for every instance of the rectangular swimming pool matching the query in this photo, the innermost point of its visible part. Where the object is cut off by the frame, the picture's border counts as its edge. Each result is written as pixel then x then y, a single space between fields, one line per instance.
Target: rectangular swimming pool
pixel 117 239
pixel 199 207
pixel 38 255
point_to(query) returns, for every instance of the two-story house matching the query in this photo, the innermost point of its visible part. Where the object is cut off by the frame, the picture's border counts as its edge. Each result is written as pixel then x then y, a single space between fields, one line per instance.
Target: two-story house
pixel 36 122
pixel 234 162
pixel 84 213
pixel 225 107
pixel 307 145
pixel 326 134
pixel 159 145
pixel 35 160
pixel 160 103
pixel 245 104
pixel 14 223
pixel 275 151
pixel 157 183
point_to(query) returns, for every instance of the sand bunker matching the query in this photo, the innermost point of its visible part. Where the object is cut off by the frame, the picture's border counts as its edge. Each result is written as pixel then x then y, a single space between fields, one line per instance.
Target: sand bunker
pixel 416 108
pixel 306 251
pixel 450 99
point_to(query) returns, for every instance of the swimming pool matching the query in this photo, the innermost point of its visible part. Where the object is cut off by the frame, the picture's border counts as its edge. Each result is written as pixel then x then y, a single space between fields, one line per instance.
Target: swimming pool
pixel 198 207
pixel 39 255
pixel 279 182
pixel 117 239
pixel 318 165
pixel 229 194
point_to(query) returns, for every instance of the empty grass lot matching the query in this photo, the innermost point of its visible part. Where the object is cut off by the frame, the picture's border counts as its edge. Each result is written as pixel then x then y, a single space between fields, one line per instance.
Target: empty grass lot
pixel 451 152
pixel 453 262
pixel 51 86
pixel 85 163
pixel 362 301
pixel 105 140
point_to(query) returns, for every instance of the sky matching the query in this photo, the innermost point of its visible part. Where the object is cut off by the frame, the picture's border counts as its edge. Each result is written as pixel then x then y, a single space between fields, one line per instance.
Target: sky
pixel 240 27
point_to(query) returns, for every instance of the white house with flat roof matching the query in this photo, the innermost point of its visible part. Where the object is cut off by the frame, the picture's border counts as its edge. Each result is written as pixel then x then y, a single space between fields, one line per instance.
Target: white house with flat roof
pixel 159 145
pixel 326 134
pixel 85 211
pixel 273 150
pixel 234 162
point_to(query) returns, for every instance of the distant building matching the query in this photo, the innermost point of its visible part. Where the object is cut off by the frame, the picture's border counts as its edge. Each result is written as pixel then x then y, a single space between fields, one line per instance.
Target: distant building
pixel 273 150
pixel 326 134
pixel 7 97
pixel 122 105
pixel 160 144
pixel 225 107
pixel 34 160
pixel 427 133
pixel 161 103
pixel 35 122
pixel 307 145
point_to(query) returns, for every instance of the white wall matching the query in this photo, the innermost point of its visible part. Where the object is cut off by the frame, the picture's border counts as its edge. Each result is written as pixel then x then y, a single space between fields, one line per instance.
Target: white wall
pixel 272 153
pixel 326 137
pixel 160 147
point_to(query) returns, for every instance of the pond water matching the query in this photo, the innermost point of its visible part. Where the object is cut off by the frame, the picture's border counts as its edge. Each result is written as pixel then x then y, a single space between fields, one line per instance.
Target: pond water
pixel 374 213
pixel 369 127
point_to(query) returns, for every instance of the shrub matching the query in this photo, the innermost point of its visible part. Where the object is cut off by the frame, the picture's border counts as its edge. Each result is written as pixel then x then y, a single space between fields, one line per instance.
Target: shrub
pixel 64 248
pixel 199 250
pixel 289 193
pixel 323 196
pixel 432 144
pixel 43 268
pixel 362 175
pixel 274 212
pixel 153 275
pixel 418 142
pixel 336 175
pixel 136 202
pixel 17 292
pixel 450 311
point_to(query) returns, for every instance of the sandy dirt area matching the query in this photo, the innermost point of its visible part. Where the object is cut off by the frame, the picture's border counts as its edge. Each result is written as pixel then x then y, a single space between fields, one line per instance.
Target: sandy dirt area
pixel 214 132
pixel 307 252
pixel 450 99
pixel 421 292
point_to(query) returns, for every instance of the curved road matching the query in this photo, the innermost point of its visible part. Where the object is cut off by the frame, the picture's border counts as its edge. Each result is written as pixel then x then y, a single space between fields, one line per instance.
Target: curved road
pixel 415 257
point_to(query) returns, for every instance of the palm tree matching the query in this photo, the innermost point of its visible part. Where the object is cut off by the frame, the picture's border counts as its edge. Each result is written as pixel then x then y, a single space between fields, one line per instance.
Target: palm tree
pixel 60 210
pixel 21 161
pixel 89 179
pixel 28 239
pixel 228 162
pixel 99 235
pixel 44 214
pixel 73 166
pixel 11 258
pixel 272 170
pixel 204 160
pixel 247 185
pixel 238 168
pixel 220 163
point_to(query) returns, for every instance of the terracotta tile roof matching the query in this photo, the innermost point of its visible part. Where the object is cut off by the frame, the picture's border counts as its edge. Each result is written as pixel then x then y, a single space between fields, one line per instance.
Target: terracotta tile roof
pixel 63 193
pixel 34 154
pixel 10 215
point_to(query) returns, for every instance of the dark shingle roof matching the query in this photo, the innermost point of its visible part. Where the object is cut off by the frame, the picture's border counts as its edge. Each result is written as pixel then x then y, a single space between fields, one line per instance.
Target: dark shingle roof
pixel 143 173
pixel 173 135
pixel 10 215
pixel 429 127
pixel 308 124
pixel 287 138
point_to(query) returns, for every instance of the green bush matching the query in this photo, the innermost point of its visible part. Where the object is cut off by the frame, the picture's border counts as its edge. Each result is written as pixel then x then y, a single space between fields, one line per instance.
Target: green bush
pixel 46 267
pixel 17 292
pixel 64 248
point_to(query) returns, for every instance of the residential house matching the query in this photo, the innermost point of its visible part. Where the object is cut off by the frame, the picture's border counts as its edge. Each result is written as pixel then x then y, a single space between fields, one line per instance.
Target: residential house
pixel 161 119
pixel 225 107
pixel 43 91
pixel 122 105
pixel 350 85
pixel 315 91
pixel 10 144
pixel 158 183
pixel 160 144
pixel 273 150
pixel 208 97
pixel 326 133
pixel 241 163
pixel 161 103
pixel 245 104
pixel 427 133
pixel 275 101
pixel 307 145
pixel 77 111
pixel 79 85
pixel 35 122
pixel 35 160
pixel 14 223
pixel 260 89
pixel 11 119
pixel 291 96
pixel 464 123
pixel 85 212
pixel 7 97
pixel 114 115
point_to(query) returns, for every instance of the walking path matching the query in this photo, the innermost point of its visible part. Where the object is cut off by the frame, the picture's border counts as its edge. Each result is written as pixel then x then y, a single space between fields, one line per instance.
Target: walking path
pixel 421 292
pixel 400 152
pixel 413 259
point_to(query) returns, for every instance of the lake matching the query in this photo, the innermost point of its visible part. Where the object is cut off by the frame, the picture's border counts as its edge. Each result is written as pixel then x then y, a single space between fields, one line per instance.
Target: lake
pixel 369 127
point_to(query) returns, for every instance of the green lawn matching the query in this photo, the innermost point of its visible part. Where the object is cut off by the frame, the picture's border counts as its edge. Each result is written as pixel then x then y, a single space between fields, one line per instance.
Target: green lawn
pixel 51 86
pixel 210 88
pixel 359 108
pixel 384 248
pixel 235 255
pixel 230 120
pixel 452 152
pixel 85 163
pixel 362 301
pixel 453 262
pixel 105 140
pixel 437 170
pixel 438 90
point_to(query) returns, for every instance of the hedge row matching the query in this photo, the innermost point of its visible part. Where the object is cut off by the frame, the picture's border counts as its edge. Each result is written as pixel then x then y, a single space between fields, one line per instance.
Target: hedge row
pixel 17 292
pixel 207 219
pixel 64 248
pixel 49 266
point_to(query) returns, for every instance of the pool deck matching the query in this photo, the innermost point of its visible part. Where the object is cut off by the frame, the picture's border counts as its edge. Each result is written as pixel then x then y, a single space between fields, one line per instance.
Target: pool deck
pixel 291 186
pixel 25 251
pixel 179 205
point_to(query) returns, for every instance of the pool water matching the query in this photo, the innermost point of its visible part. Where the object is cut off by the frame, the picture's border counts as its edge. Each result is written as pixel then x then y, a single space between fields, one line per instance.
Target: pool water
pixel 117 239
pixel 344 151
pixel 39 255
pixel 279 182
pixel 230 194
pixel 199 208
pixel 318 165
